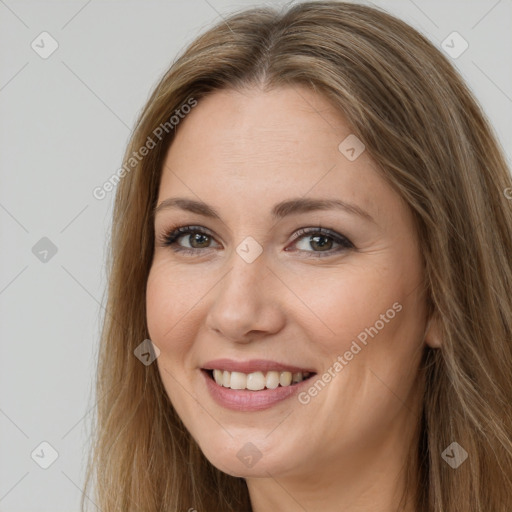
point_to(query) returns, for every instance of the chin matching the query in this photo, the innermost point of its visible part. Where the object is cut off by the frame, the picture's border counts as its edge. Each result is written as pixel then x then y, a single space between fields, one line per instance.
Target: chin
pixel 251 453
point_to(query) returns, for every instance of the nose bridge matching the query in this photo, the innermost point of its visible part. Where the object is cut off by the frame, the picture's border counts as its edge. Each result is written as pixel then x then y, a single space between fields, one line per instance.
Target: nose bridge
pixel 243 281
pixel 241 302
pixel 248 264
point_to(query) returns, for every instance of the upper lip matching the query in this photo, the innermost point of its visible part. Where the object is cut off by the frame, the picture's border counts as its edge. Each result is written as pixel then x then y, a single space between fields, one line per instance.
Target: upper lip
pixel 253 365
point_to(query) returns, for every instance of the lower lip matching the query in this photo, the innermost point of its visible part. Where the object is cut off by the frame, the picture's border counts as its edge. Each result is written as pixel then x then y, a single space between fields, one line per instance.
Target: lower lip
pixel 245 400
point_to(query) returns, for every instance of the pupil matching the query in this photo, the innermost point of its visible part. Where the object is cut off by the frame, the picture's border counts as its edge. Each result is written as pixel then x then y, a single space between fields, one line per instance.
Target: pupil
pixel 315 240
pixel 197 238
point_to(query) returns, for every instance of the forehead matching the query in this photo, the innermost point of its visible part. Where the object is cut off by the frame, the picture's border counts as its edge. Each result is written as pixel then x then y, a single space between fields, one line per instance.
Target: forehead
pixel 249 148
pixel 251 126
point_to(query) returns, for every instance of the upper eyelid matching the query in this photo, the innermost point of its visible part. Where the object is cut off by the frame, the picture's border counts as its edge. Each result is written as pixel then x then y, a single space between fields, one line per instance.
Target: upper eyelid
pixel 298 233
pixel 185 230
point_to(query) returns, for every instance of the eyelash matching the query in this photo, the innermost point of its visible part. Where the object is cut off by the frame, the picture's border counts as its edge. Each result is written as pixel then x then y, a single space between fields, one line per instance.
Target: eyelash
pixel 170 238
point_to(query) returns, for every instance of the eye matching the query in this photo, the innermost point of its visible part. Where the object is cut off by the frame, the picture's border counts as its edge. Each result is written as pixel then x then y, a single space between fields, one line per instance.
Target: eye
pixel 197 236
pixel 321 240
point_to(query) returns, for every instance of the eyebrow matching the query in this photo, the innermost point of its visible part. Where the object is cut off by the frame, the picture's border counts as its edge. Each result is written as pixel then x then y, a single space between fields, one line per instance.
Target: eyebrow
pixel 279 211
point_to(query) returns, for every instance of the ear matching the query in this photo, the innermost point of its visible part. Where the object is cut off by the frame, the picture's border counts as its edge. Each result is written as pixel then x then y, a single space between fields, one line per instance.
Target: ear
pixel 433 332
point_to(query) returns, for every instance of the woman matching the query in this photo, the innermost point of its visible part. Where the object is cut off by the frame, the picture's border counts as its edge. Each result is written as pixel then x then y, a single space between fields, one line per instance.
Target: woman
pixel 374 376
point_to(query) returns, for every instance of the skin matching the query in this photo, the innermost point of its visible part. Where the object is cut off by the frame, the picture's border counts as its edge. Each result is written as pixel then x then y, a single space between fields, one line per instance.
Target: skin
pixel 242 152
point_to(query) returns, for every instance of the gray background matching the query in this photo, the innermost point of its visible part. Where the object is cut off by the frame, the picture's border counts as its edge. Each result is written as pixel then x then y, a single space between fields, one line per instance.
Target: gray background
pixel 64 123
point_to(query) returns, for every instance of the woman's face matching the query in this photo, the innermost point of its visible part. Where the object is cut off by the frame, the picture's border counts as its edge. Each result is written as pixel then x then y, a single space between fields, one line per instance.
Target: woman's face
pixel 262 302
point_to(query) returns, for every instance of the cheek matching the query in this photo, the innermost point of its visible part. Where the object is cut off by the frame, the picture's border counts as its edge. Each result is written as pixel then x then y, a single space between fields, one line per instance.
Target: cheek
pixel 341 304
pixel 171 307
pixel 371 313
pixel 171 301
pixel 376 316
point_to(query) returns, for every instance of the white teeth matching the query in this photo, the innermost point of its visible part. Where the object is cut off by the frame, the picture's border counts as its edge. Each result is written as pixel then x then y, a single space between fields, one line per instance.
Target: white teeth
pixel 285 378
pixel 217 375
pixel 272 380
pixel 257 381
pixel 238 380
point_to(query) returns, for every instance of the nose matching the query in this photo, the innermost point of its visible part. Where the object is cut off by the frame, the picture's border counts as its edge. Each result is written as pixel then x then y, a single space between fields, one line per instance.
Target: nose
pixel 247 302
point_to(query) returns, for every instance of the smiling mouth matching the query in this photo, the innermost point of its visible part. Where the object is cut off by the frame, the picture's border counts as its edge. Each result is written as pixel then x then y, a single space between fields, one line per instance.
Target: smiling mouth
pixel 257 381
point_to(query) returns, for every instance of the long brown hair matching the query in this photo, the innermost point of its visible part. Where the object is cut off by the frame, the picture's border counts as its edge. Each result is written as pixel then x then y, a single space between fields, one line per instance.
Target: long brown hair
pixel 432 142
